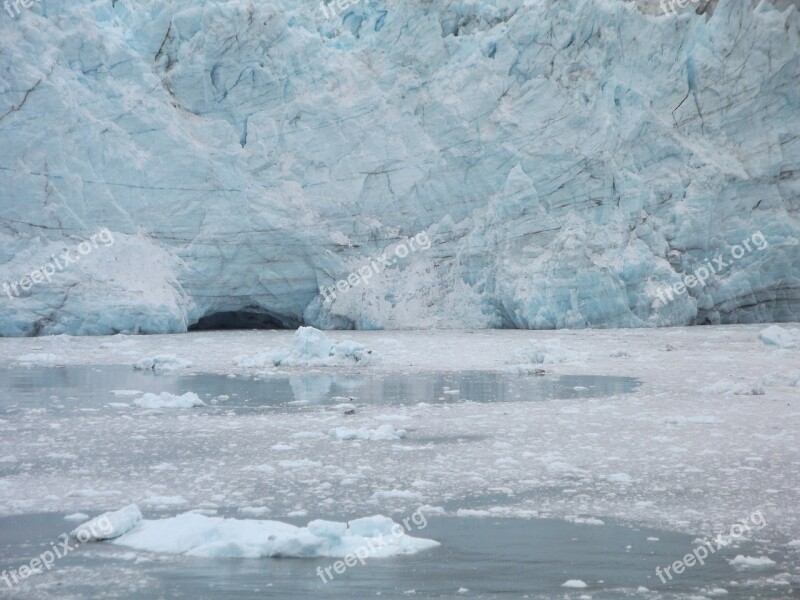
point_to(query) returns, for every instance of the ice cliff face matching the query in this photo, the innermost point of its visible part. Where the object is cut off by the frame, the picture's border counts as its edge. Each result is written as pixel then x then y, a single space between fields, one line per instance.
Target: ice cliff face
pixel 567 159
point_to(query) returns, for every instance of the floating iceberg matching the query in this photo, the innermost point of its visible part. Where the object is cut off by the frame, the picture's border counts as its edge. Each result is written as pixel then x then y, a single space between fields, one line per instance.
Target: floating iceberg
pixel 382 433
pixel 194 534
pixel 779 337
pixel 167 400
pixel 162 363
pixel 311 347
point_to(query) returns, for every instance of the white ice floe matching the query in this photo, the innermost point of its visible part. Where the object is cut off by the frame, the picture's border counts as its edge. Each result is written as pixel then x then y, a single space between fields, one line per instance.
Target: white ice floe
pixel 76 517
pixel 126 392
pixel 547 352
pixel 265 468
pixel 751 563
pixel 164 466
pixel 311 347
pixel 194 534
pixel 623 478
pixel 396 495
pixel 586 521
pixel 109 525
pixel 574 583
pixel 382 433
pixel 255 511
pixel 734 388
pixel 167 400
pixel 162 363
pixel 778 337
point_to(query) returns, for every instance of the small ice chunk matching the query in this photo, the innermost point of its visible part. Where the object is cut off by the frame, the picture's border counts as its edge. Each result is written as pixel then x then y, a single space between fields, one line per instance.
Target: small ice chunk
pixel 751 563
pixel 311 346
pixel 779 337
pixel 76 517
pixel 727 387
pixel 396 495
pixel 167 400
pixel 282 447
pixel 384 432
pixel 309 342
pixel 161 363
pixel 164 466
pixel 255 511
pixel 574 583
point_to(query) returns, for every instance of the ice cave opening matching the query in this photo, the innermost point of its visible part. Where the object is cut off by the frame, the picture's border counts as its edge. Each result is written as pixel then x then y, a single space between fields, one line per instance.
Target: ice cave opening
pixel 246 318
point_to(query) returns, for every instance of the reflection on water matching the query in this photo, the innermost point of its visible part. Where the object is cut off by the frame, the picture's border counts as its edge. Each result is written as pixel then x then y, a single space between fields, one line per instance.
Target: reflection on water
pixel 65 388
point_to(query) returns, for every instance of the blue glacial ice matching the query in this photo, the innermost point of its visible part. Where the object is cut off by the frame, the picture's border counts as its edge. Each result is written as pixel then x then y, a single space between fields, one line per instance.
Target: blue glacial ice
pixel 568 160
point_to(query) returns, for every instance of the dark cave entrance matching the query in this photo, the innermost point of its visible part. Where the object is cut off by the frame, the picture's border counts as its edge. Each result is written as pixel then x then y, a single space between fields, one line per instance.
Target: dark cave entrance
pixel 247 318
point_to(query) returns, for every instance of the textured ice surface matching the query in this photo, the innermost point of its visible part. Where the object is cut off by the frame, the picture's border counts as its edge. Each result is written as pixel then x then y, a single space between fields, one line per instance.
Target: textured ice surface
pixel 109 525
pixel 312 347
pixel 215 537
pixel 777 336
pixel 673 454
pixel 382 433
pixel 167 400
pixel 568 159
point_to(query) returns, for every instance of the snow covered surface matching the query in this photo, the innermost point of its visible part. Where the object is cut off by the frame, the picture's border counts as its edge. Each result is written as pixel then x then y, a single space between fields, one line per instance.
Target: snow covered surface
pixel 216 537
pixel 567 160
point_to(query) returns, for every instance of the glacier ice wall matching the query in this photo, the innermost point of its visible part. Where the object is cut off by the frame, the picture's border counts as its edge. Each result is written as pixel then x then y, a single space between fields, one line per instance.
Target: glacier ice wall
pixel 567 159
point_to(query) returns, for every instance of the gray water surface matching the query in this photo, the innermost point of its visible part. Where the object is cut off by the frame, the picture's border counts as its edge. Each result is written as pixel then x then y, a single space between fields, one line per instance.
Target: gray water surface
pixel 491 558
pixel 483 557
pixel 63 390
